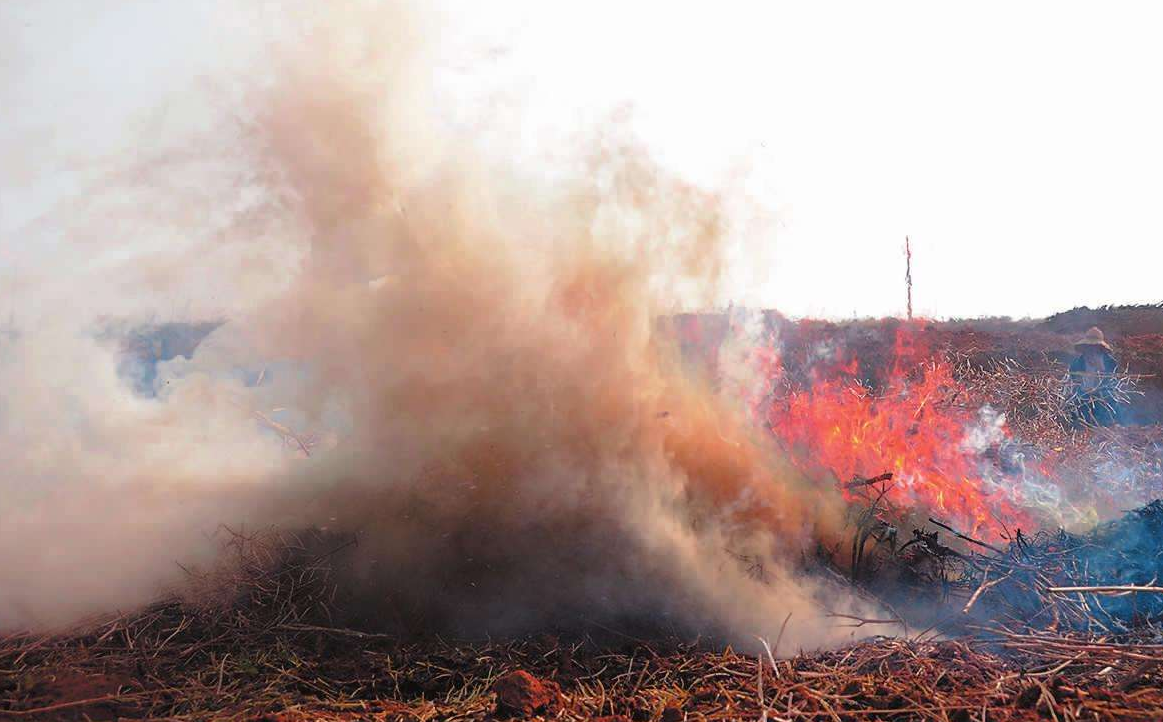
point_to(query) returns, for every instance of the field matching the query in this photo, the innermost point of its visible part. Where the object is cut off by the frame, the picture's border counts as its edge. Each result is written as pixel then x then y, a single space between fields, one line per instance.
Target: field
pixel 1047 626
pixel 150 667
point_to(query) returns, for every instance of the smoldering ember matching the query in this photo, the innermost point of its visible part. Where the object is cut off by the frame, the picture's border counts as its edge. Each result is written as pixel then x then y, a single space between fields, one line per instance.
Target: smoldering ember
pixel 413 361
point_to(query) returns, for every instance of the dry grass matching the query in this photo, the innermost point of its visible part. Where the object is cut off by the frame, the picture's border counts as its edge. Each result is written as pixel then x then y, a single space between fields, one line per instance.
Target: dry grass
pixel 164 667
pixel 265 652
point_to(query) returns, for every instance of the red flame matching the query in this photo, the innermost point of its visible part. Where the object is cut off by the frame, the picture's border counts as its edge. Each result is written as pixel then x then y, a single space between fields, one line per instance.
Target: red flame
pixel 913 427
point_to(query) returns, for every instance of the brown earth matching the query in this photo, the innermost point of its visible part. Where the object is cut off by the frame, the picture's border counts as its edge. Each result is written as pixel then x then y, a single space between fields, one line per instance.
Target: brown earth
pixel 520 694
pixel 295 675
pixel 72 694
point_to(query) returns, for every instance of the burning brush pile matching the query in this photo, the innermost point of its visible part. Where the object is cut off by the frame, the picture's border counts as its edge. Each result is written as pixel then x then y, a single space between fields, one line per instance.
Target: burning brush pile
pixel 988 441
pixel 990 490
pixel 530 502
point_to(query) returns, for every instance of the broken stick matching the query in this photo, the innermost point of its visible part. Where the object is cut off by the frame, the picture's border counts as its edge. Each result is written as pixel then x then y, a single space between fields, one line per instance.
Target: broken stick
pixel 969 539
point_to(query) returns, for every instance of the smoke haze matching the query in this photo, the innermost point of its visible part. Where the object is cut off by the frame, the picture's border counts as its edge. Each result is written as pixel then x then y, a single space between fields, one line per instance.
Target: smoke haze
pixel 517 444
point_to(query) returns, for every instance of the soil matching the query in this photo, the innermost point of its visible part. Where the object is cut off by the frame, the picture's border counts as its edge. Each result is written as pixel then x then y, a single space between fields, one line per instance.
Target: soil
pixel 346 678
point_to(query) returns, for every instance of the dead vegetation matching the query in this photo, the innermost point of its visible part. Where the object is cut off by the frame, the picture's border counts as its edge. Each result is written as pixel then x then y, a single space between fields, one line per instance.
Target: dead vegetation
pixel 254 642
pixel 1046 626
pixel 152 667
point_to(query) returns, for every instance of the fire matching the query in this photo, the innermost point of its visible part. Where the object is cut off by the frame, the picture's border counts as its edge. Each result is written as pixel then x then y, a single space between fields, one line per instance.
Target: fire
pixel 916 426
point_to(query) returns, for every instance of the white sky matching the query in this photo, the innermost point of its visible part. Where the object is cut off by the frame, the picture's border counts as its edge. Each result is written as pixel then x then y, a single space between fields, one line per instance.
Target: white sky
pixel 1019 144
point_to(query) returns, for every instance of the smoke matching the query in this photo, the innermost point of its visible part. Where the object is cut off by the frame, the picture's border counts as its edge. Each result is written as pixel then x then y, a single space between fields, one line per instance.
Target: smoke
pixel 518 447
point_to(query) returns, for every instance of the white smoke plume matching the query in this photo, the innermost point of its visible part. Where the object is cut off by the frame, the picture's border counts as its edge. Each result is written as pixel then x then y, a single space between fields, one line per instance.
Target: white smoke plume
pixel 517 446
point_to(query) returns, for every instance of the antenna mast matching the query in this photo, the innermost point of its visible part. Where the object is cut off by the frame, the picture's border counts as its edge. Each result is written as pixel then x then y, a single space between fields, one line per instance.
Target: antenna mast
pixel 909 276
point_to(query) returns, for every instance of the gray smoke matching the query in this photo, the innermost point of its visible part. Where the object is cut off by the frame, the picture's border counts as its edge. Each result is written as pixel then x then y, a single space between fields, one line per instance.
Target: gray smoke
pixel 506 430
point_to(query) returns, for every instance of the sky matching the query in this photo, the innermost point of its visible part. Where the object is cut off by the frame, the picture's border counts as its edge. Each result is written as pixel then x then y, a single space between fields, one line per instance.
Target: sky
pixel 1017 144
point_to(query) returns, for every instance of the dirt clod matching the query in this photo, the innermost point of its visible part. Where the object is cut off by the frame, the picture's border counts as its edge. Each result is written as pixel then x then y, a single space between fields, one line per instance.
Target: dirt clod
pixel 671 714
pixel 520 694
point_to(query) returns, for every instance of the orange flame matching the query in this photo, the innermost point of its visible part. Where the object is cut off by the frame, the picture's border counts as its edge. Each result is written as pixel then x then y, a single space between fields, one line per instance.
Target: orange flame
pixel 913 427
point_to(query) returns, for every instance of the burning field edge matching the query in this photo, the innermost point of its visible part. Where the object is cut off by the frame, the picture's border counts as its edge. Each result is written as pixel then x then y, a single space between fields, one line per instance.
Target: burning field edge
pixel 998 626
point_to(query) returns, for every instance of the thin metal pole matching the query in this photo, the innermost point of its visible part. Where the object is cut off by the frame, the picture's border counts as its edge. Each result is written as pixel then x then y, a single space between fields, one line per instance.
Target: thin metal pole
pixel 909 276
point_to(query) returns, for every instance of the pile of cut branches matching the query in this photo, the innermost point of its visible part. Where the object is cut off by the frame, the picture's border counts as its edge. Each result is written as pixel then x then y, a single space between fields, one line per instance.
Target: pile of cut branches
pixel 1105 581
